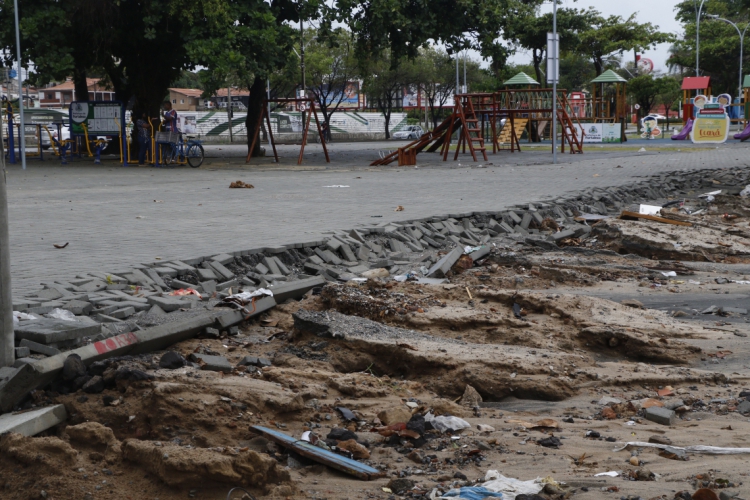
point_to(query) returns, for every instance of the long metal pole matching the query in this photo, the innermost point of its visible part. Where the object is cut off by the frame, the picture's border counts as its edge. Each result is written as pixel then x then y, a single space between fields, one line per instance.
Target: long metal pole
pixel 302 62
pixel 458 82
pixel 21 128
pixel 7 352
pixel 698 39
pixel 268 103
pixel 554 83
pixel 466 85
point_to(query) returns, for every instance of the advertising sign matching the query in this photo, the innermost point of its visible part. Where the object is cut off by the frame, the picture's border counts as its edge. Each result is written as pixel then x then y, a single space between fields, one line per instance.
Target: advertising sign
pixel 99 117
pixel 187 124
pixel 711 124
pixel 599 132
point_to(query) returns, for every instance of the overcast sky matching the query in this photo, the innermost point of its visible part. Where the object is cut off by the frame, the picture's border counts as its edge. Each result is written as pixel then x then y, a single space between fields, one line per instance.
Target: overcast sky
pixel 658 12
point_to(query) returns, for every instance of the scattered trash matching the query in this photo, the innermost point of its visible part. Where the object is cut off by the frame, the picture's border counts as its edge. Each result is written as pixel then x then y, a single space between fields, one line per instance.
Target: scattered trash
pixel 608 474
pixel 60 246
pixel 241 185
pixel 745 192
pixel 61 314
pixel 626 215
pixel 399 208
pixel 649 209
pixel 346 413
pixel 472 493
pixel 185 291
pixel 669 273
pixel 708 450
pixel 445 423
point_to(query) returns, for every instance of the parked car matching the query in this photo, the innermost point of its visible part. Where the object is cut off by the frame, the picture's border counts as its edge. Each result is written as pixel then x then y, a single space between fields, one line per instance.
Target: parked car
pixel 410 132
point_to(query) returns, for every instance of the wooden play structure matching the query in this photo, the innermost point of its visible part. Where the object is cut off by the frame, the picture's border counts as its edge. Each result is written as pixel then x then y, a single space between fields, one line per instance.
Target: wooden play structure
pixel 609 98
pixel 693 86
pixel 304 104
pixel 498 118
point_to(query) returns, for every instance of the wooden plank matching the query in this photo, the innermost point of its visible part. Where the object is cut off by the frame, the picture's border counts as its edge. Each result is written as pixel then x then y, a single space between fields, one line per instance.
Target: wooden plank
pixel 625 215
pixel 320 455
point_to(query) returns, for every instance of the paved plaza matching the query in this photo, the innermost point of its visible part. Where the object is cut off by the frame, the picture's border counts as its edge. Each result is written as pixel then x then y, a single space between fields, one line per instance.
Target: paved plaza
pixel 112 217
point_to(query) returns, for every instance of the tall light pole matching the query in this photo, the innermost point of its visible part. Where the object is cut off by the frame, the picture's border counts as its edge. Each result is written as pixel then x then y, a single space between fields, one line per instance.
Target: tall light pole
pixel 7 351
pixel 742 42
pixel 555 77
pixel 21 128
pixel 698 38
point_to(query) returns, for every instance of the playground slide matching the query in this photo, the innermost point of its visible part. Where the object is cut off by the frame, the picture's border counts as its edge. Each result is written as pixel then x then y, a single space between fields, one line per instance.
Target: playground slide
pixel 744 135
pixel 685 132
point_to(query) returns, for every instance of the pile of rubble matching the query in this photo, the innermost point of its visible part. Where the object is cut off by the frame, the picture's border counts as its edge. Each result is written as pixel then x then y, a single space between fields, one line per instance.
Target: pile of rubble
pixel 408 342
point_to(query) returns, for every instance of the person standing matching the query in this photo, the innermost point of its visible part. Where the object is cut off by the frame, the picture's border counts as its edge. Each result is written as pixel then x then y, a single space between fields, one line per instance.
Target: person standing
pixel 170 118
pixel 143 128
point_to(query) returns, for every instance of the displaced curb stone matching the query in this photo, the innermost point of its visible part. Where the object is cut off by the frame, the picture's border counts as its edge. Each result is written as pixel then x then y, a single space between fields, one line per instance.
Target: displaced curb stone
pixel 33 422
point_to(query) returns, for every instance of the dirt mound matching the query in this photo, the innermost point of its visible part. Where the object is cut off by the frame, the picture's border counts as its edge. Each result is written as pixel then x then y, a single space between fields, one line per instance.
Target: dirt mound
pixel 48 451
pixel 179 466
pixel 95 436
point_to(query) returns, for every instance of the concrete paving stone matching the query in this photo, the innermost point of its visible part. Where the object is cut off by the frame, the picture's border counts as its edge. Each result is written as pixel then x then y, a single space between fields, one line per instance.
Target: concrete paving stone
pixel 212 363
pixel 158 281
pixel 660 415
pixel 223 259
pixel 271 265
pixel 282 267
pixel 332 258
pixel 141 278
pixel 33 422
pixel 315 259
pixel 40 309
pixel 358 269
pixel 48 294
pixel 441 267
pixel 333 245
pixel 123 313
pixel 233 284
pixel 38 348
pixel 208 286
pixel 221 270
pixel 206 274
pixel 254 361
pixel 312 268
pixel 78 307
pixel 104 318
pixel 94 285
pixel 50 331
pixel 561 235
pixel 156 311
pixel 22 352
pixel 169 304
pixel 180 265
pixel 262 268
pixel 107 309
pixel 277 249
pixel 19 362
pixel 526 220
pixel 117 287
pixel 167 271
pixel 295 289
pixel 180 285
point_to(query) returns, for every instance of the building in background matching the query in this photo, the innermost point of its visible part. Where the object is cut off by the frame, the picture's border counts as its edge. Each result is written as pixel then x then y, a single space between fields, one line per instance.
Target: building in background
pixel 186 99
pixel 60 95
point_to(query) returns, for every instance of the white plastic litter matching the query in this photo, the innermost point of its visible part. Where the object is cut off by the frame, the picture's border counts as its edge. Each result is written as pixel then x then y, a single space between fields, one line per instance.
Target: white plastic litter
pixel 611 473
pixel 712 193
pixel 708 450
pixel 642 150
pixel 306 436
pixel 246 296
pixel 745 192
pixel 510 487
pixel 22 316
pixel 649 209
pixel 61 314
pixel 669 273
pixel 444 423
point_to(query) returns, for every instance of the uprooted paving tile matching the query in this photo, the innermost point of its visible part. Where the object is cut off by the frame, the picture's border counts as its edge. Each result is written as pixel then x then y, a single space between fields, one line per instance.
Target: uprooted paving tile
pixel 554 351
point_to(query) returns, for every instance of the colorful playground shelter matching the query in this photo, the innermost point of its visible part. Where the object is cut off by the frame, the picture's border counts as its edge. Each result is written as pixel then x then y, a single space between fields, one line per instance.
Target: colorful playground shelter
pixel 693 86
pixel 522 79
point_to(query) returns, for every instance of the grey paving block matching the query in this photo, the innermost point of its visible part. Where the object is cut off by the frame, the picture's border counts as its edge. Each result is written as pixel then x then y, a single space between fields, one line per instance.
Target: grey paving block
pixel 22 352
pixel 223 259
pixel 359 269
pixel 123 313
pixel 212 363
pixel 168 304
pixel 271 265
pixel 180 285
pixel 78 307
pixel 363 253
pixel 316 260
pixel 481 253
pixel 561 235
pixel 221 270
pixel 141 278
pixel 206 274
pixel 166 271
pixel 151 273
pixel 208 286
pixel 94 286
pixel 441 267
pixel 233 283
pixel 282 267
pixel 261 268
pixel 104 318
pixel 39 348
pixel 254 361
pixel 48 294
pixel 526 220
pixel 33 422
pixel 660 415
pixel 156 311
pixel 50 331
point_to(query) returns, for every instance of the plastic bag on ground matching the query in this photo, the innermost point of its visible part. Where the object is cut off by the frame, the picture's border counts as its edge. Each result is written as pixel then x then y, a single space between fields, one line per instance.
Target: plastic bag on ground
pixel 61 314
pixel 22 316
pixel 444 423
pixel 511 487
pixel 473 493
pixel 745 192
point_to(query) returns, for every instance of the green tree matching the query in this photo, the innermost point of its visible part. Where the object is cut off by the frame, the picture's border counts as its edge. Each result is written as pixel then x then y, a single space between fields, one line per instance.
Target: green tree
pixel 384 83
pixel 576 72
pixel 435 75
pixel 647 90
pixel 670 91
pixel 608 36
pixel 187 80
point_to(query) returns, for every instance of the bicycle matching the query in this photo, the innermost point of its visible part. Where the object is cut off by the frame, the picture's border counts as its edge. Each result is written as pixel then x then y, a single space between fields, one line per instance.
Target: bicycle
pixel 181 151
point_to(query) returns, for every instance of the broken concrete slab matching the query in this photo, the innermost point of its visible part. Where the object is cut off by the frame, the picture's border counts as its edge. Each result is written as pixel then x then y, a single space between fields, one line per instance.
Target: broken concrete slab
pixel 221 270
pixel 295 289
pixel 212 363
pixel 441 267
pixel 254 361
pixel 660 415
pixel 123 313
pixel 39 348
pixel 33 422
pixel 168 304
pixel 50 331
pixel 78 307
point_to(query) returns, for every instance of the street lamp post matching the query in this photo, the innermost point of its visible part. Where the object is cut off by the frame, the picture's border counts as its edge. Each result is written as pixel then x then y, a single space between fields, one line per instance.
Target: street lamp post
pixel 22 128
pixel 742 42
pixel 698 38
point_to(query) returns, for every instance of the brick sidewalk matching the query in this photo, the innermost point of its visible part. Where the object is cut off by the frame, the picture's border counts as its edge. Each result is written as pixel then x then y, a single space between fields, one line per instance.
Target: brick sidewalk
pixel 110 219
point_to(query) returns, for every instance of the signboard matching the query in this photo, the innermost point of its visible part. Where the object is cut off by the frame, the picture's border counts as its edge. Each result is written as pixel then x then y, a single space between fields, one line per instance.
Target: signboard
pixel 711 125
pixel 187 124
pixel 99 117
pixel 599 132
pixel 553 57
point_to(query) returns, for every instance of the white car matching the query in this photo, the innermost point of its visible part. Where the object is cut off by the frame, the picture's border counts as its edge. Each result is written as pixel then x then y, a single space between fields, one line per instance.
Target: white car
pixel 408 132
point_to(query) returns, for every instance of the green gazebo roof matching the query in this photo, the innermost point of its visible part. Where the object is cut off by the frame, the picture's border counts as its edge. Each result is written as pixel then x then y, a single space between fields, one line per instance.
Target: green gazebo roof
pixel 521 79
pixel 609 76
pixel 746 83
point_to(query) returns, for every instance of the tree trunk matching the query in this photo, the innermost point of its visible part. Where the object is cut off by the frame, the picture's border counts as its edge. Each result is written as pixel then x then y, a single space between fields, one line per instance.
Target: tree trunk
pixel 254 110
pixel 79 83
pixel 599 66
pixel 537 65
